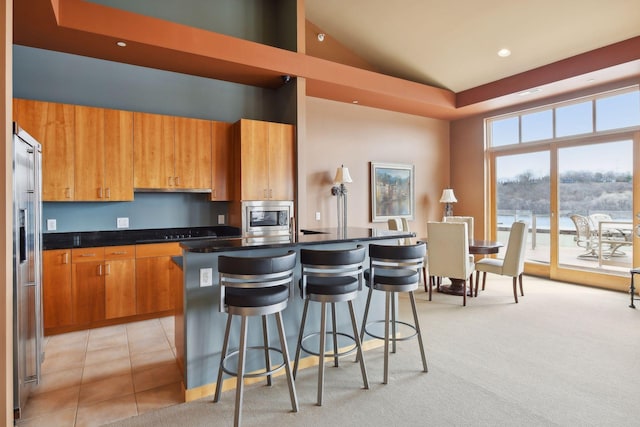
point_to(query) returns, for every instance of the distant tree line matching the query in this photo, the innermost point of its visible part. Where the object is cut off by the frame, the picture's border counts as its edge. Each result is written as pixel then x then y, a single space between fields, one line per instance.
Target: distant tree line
pixel 581 192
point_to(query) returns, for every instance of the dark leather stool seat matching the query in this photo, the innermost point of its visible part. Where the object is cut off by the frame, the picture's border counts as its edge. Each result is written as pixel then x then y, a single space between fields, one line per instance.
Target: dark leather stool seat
pixel 330 276
pixel 255 286
pixel 394 269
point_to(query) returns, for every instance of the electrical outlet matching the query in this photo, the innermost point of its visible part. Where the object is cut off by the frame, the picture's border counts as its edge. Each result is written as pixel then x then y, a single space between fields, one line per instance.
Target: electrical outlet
pixel 220 219
pixel 122 223
pixel 206 277
pixel 317 216
pixel 51 225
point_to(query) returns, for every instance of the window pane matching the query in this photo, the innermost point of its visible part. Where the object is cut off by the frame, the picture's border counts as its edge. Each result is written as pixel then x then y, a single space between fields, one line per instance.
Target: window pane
pixel 523 194
pixel 574 119
pixel 618 111
pixel 504 132
pixel 537 126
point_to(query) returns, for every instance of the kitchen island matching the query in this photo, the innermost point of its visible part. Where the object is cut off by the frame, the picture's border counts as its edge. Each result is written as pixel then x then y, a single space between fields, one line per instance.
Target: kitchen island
pixel 200 324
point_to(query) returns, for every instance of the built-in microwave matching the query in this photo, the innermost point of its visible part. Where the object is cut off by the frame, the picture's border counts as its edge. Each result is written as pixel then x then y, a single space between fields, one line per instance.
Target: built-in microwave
pixel 266 218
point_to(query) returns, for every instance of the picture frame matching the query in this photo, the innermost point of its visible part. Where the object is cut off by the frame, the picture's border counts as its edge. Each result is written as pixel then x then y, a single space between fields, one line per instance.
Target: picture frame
pixel 392 191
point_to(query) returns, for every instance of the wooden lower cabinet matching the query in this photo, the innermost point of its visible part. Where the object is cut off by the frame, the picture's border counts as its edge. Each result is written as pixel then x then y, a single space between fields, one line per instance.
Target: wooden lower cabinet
pixel 92 287
pixel 120 281
pixel 156 277
pixel 56 288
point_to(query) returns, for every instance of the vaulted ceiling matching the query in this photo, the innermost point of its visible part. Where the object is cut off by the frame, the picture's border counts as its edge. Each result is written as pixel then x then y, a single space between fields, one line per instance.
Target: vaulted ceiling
pixel 426 57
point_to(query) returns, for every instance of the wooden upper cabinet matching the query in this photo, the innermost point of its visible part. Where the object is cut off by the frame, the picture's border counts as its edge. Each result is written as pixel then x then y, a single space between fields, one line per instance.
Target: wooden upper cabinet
pixel 171 152
pixel 52 125
pixel 118 165
pixel 266 160
pixel 221 161
pixel 103 154
pixel 192 153
pixel 281 163
pixel 89 153
pixel 153 142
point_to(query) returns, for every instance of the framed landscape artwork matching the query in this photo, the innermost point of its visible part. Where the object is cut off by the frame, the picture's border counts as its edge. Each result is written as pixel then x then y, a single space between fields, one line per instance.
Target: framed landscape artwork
pixel 392 191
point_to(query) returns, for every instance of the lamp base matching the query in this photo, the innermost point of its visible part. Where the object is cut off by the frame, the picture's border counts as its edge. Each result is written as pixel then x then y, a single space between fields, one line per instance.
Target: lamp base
pixel 448 209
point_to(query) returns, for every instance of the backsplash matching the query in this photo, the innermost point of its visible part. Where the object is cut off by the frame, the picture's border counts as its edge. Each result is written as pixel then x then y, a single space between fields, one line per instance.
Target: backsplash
pixel 148 210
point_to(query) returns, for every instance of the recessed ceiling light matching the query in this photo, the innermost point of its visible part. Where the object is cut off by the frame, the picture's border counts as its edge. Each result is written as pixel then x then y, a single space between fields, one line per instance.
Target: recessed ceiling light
pixel 529 92
pixel 121 44
pixel 503 53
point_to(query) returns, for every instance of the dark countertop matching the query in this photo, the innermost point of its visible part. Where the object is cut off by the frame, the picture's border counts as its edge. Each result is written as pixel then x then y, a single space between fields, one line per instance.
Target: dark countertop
pixel 305 237
pixel 88 239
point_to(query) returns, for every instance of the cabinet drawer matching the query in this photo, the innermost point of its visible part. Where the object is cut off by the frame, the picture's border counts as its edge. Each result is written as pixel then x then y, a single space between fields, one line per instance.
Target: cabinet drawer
pixel 120 252
pixel 158 249
pixel 87 255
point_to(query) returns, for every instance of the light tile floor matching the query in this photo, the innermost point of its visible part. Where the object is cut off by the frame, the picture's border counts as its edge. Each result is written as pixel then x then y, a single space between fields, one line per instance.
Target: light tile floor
pixel 97 376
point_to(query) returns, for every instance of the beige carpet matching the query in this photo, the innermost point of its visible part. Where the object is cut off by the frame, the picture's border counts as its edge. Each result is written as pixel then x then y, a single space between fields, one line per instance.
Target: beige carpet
pixel 565 355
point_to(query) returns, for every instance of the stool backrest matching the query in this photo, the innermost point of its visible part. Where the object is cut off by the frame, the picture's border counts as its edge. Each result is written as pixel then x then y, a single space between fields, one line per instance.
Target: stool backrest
pixel 255 272
pixel 331 263
pixel 390 257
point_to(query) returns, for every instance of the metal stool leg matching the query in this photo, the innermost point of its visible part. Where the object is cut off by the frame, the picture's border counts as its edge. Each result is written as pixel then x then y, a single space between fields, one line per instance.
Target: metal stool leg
pixel 321 348
pixel 632 290
pixel 300 336
pixel 363 368
pixel 387 309
pixel 237 418
pixel 417 325
pixel 335 335
pixel 364 318
pixel 267 358
pixel 394 326
pixel 287 363
pixel 223 354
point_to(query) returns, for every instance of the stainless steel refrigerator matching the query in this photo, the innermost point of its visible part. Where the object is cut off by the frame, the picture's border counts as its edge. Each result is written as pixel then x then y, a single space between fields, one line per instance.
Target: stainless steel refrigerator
pixel 28 332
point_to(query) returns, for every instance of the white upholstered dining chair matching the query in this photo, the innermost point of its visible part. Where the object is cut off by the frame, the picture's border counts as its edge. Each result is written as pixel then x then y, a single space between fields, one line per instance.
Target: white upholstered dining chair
pixel 467 219
pixel 513 262
pixel 448 253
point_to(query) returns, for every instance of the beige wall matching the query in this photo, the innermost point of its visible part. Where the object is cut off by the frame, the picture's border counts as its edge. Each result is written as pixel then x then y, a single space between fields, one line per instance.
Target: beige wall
pixel 353 135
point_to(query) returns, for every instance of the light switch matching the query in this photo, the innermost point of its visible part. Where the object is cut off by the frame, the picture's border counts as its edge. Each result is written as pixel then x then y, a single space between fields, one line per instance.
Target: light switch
pixel 317 216
pixel 220 219
pixel 122 223
pixel 51 225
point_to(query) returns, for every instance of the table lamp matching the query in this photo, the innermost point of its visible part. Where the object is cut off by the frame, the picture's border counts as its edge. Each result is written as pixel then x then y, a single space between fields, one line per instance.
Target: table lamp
pixel 448 198
pixel 340 190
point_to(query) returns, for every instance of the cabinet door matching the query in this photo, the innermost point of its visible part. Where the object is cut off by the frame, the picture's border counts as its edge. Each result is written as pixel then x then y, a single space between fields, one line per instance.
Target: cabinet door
pixel 154 159
pixel 281 163
pixel 254 160
pixel 56 288
pixel 221 164
pixel 154 290
pixel 119 281
pixel 193 153
pixel 51 124
pixel 120 288
pixel 89 154
pixel 88 292
pixel 118 155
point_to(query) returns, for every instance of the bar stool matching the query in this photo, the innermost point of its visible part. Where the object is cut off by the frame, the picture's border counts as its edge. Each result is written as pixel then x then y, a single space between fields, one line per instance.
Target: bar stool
pixel 255 286
pixel 330 276
pixel 394 269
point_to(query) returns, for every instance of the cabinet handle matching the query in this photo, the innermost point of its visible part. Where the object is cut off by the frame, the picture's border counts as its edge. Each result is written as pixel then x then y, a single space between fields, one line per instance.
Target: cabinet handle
pixel 213 193
pixel 177 181
pixel 67 192
pixel 108 269
pixel 170 181
pixel 270 193
pixel 87 255
pixel 65 258
pixel 264 193
pixel 108 193
pixel 119 253
pixel 100 193
pixel 99 269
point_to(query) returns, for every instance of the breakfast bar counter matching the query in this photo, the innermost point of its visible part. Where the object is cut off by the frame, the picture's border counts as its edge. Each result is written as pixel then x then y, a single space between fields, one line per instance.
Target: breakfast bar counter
pixel 200 324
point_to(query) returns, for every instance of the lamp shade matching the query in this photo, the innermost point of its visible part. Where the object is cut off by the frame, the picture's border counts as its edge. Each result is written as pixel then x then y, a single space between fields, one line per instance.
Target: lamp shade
pixel 448 196
pixel 342 176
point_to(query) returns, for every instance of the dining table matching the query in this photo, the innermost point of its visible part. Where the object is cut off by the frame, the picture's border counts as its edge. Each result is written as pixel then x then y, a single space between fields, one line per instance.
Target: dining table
pixel 476 247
